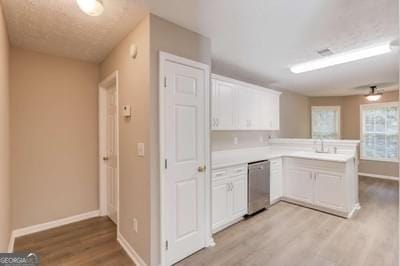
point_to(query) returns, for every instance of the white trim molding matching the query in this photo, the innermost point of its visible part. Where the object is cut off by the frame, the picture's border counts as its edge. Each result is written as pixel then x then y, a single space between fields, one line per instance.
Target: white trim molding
pixel 130 251
pixel 395 178
pixel 53 224
pixel 11 243
pixel 112 79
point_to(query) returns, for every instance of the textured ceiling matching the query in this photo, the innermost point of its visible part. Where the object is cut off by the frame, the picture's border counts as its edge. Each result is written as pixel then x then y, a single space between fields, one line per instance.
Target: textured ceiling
pixel 59 27
pixel 256 39
pixel 260 39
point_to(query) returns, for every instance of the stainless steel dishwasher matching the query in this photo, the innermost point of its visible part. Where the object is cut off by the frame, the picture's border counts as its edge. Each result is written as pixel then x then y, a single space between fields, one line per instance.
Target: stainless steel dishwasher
pixel 258 186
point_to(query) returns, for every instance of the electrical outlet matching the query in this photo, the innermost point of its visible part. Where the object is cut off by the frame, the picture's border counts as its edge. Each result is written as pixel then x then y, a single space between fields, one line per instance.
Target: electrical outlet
pixel 235 140
pixel 135 225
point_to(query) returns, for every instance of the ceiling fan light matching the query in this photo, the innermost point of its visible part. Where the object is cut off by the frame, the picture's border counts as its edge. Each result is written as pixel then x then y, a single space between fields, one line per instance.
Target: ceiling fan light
pixel 373 97
pixel 91 7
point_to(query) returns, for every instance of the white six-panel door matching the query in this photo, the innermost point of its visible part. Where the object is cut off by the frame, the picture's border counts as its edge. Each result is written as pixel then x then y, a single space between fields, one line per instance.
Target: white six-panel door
pixel 111 153
pixel 184 191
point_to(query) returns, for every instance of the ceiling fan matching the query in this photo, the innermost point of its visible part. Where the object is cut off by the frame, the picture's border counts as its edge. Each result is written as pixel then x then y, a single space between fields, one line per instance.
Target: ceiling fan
pixel 373 94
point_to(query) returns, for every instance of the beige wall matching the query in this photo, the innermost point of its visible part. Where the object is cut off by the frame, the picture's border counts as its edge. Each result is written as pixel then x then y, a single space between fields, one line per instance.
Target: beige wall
pixel 350 126
pixel 138 86
pixel 54 137
pixel 5 178
pixel 170 38
pixel 134 89
pixel 294 118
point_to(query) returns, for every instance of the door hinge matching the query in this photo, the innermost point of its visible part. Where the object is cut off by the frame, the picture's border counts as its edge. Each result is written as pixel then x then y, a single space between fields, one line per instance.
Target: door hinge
pixel 165 163
pixel 166 245
pixel 165 82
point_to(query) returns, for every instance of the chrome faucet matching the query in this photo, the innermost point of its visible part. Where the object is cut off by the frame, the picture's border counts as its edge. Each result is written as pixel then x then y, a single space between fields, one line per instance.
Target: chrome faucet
pixel 322 147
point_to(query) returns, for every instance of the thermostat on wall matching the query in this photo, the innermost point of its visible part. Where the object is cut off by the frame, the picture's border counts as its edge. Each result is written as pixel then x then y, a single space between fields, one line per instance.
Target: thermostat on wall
pixel 126 111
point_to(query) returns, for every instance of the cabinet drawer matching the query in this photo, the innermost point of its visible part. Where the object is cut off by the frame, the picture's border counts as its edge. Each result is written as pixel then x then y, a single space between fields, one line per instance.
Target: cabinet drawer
pixel 276 161
pixel 239 170
pixel 219 174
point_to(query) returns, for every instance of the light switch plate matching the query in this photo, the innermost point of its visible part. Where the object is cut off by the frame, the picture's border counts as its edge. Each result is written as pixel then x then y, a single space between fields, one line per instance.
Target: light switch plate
pixel 126 110
pixel 235 140
pixel 140 149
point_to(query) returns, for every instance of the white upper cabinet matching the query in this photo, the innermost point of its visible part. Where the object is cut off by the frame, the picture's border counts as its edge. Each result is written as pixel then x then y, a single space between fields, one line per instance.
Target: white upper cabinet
pixel 241 106
pixel 223 96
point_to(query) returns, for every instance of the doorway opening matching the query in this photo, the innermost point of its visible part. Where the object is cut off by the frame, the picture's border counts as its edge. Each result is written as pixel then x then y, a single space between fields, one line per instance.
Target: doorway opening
pixel 109 148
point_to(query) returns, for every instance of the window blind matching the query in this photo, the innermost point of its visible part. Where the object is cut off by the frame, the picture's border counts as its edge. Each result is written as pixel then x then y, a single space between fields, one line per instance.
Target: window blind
pixel 379 131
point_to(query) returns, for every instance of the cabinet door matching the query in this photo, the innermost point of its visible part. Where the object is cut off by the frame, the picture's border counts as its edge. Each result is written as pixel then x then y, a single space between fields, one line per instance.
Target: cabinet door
pixel 299 184
pixel 259 112
pixel 239 196
pixel 275 106
pixel 276 181
pixel 214 104
pixel 223 107
pixel 220 204
pixel 243 107
pixel 329 191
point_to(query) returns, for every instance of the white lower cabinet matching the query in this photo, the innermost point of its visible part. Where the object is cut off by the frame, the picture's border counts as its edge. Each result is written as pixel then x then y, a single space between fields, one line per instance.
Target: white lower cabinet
pixel 229 196
pixel 220 204
pixel 329 190
pixel 276 180
pixel 322 185
pixel 299 184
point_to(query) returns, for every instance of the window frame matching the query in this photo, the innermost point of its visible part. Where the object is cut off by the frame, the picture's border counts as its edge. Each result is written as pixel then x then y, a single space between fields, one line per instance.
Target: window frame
pixel 328 108
pixel 372 106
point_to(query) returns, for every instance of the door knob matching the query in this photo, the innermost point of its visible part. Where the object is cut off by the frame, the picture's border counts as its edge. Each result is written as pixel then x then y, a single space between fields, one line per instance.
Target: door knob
pixel 201 169
pixel 105 158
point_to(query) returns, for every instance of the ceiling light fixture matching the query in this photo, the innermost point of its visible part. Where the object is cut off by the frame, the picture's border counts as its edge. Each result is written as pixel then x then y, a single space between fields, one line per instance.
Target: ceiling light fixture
pixel 341 58
pixel 91 7
pixel 373 95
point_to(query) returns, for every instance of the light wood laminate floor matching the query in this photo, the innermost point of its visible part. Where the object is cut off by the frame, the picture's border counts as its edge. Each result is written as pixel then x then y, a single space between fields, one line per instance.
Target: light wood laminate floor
pixel 286 234
pixel 291 235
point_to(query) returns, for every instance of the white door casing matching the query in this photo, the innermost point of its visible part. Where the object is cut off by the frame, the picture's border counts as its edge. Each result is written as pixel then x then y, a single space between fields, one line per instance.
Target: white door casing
pixel 108 147
pixel 110 157
pixel 184 137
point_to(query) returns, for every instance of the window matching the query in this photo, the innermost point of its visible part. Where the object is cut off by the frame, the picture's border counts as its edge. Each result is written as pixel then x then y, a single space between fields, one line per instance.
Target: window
pixel 379 131
pixel 325 122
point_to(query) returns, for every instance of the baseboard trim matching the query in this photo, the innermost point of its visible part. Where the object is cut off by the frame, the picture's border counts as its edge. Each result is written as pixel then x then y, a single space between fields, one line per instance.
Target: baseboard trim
pixel 53 224
pixel 130 251
pixel 380 176
pixel 11 243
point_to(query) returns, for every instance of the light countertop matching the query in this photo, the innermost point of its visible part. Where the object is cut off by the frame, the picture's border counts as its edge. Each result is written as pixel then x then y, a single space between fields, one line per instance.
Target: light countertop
pixel 228 158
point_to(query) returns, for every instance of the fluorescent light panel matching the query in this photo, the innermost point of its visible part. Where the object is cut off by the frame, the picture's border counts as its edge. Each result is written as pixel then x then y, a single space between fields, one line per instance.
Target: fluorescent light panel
pixel 341 58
